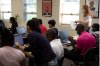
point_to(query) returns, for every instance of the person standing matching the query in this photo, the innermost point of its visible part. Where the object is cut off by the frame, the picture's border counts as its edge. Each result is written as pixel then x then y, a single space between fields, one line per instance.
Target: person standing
pixel 87 17
pixel 14 25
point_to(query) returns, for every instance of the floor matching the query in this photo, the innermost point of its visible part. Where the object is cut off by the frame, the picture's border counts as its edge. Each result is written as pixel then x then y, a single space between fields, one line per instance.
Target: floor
pixel 68 62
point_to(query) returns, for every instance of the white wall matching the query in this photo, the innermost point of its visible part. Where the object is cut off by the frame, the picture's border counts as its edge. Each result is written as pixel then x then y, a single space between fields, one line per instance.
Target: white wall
pixel 17 8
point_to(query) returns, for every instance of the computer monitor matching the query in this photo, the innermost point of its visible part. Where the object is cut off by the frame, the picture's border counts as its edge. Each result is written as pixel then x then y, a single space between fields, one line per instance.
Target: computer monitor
pixel 19 39
pixel 21 30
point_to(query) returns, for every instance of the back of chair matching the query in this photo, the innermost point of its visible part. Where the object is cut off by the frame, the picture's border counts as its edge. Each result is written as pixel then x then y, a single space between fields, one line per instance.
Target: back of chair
pixel 89 55
pixel 97 50
pixel 63 36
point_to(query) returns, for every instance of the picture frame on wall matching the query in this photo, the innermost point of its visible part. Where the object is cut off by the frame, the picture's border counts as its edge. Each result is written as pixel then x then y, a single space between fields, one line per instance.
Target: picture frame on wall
pixel 94 6
pixel 47 8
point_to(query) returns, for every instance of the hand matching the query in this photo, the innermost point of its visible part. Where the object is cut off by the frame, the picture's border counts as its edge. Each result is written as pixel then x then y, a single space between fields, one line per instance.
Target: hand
pixel 16 44
pixel 27 45
pixel 70 38
pixel 77 21
pixel 74 41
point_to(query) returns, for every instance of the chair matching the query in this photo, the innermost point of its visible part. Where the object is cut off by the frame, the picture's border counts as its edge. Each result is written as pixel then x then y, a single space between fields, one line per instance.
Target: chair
pixel 89 55
pixel 64 37
pixel 97 53
pixel 2 24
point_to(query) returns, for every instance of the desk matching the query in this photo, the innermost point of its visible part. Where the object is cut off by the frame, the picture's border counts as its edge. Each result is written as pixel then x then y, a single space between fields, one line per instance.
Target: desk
pixel 67 46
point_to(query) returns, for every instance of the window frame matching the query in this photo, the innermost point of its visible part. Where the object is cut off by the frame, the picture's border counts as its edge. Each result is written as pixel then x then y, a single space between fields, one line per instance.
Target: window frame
pixel 25 10
pixel 2 10
pixel 61 13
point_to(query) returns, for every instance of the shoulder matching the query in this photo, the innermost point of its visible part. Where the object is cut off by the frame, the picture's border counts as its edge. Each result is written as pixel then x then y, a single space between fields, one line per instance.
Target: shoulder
pixel 44 27
pixel 55 42
pixel 34 33
pixel 55 28
pixel 96 33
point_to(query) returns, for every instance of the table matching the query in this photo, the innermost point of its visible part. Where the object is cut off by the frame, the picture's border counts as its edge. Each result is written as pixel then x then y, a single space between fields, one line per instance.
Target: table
pixel 68 46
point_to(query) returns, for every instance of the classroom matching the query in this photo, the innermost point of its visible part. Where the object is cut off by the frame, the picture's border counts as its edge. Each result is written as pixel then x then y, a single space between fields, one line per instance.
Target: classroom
pixel 49 32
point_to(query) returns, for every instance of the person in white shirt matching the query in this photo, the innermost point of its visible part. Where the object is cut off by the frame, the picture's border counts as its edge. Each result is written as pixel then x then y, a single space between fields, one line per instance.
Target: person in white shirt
pixel 56 45
pixel 87 17
pixel 10 56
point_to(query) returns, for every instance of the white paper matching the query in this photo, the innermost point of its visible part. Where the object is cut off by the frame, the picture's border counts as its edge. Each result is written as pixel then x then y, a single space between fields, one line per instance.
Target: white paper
pixel 73 24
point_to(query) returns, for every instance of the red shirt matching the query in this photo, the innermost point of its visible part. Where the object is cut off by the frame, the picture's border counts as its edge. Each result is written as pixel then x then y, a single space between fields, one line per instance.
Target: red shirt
pixel 85 42
pixel 43 29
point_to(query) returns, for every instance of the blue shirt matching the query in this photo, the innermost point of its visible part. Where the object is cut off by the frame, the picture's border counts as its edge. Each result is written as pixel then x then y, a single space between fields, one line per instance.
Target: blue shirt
pixel 40 48
pixel 56 30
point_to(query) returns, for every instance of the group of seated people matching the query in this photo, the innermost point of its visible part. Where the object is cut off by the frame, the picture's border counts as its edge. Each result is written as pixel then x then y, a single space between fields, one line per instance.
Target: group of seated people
pixel 43 48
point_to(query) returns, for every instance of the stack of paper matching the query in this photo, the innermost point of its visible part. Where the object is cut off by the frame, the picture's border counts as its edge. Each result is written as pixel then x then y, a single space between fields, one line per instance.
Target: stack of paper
pixel 73 24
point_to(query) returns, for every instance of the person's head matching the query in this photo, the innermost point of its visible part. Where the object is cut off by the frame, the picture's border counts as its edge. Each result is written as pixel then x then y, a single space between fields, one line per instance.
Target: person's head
pixel 50 34
pixel 12 20
pixel 80 28
pixel 86 11
pixel 7 38
pixel 46 9
pixel 40 21
pixel 95 27
pixel 91 3
pixel 33 25
pixel 51 23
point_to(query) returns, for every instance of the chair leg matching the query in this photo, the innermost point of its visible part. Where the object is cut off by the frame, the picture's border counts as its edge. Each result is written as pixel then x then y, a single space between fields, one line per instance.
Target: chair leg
pixel 97 61
pixel 91 63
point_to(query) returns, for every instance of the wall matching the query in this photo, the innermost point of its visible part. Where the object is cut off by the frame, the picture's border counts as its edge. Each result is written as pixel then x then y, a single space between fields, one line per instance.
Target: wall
pixel 17 8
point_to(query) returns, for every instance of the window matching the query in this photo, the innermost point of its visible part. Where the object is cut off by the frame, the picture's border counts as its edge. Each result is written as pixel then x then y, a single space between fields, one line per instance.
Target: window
pixel 30 9
pixel 5 9
pixel 69 11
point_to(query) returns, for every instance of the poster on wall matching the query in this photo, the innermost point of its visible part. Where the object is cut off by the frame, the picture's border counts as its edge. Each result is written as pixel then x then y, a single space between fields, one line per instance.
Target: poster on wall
pixel 47 8
pixel 94 6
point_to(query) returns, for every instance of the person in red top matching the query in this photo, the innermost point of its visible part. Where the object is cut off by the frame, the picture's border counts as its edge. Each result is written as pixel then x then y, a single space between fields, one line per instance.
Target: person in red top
pixel 43 28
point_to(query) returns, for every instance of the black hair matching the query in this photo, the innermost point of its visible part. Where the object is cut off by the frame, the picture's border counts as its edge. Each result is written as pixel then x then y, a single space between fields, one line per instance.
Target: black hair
pixel 96 26
pixel 13 19
pixel 80 26
pixel 40 21
pixel 52 22
pixel 51 32
pixel 7 38
pixel 34 25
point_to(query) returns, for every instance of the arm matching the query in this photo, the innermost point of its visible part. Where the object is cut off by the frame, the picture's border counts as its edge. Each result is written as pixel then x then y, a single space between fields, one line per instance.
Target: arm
pixel 19 46
pixel 85 23
pixel 76 50
pixel 28 54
